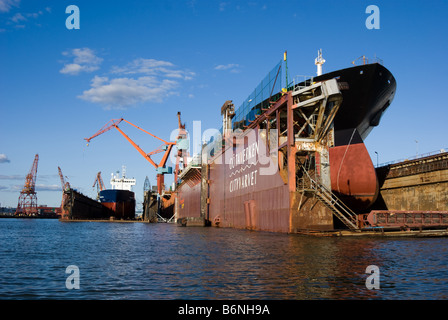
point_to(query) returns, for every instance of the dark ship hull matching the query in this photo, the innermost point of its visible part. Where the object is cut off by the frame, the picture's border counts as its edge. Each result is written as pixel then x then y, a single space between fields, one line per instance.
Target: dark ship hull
pixel 113 204
pixel 367 92
pixel 120 202
pixel 77 206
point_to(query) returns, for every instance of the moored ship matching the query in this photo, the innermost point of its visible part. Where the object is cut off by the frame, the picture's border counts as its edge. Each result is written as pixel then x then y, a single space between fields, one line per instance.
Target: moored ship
pixel 117 203
pixel 120 199
pixel 291 158
pixel 77 206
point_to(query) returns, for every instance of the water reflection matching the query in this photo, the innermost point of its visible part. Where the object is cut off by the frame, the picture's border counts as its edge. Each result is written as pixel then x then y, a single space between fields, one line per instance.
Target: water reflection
pixel 162 261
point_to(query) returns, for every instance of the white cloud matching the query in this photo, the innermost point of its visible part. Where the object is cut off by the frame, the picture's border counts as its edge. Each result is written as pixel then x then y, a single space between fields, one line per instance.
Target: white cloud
pixel 222 6
pixel 11 177
pixel 121 92
pixel 4 158
pixel 153 67
pixel 71 68
pixel 232 67
pixel 43 187
pixel 18 17
pixel 138 81
pixel 226 66
pixel 84 60
pixel 6 5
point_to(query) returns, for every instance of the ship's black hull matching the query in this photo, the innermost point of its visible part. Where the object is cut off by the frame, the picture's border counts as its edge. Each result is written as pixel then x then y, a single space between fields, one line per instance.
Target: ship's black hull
pixel 80 207
pixel 367 92
pixel 121 202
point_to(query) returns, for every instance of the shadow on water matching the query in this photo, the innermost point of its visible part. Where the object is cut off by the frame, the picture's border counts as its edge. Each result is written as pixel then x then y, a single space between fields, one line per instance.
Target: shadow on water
pixel 163 261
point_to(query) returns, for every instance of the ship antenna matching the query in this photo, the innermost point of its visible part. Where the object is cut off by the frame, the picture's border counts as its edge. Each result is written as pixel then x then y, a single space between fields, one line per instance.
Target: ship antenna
pixel 319 61
pixel 285 58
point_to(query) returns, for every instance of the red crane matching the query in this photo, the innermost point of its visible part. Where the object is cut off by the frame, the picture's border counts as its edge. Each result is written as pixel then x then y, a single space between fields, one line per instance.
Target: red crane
pixel 65 187
pixel 28 199
pixel 166 146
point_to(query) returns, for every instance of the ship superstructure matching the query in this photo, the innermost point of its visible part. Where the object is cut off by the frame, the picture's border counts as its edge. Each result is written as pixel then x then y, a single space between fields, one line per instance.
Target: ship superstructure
pixel 121 183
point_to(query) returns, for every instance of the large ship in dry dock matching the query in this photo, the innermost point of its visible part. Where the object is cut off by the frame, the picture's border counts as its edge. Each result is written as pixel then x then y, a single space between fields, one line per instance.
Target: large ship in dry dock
pixel 292 158
pixel 116 203
pixel 120 199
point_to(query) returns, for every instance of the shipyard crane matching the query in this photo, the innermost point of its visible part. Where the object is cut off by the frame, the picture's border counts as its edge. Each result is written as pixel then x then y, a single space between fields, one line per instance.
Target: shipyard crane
pixel 65 184
pixel 166 146
pixel 98 182
pixel 27 204
pixel 65 187
pixel 182 147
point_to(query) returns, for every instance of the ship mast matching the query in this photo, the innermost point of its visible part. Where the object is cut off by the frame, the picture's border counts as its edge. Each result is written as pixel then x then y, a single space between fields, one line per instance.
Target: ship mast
pixel 319 61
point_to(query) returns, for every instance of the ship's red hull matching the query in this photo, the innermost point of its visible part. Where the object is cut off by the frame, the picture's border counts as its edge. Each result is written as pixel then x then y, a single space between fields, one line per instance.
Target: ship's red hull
pixel 121 202
pixel 353 176
pixel 121 210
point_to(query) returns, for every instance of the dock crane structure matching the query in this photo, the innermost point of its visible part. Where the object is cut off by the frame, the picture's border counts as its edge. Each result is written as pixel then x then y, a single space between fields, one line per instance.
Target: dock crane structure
pixel 65 187
pixel 27 205
pixel 99 184
pixel 165 147
pixel 65 184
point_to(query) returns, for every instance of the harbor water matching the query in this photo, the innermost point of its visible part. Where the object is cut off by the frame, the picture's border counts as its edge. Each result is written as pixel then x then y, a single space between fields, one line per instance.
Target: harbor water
pixel 164 262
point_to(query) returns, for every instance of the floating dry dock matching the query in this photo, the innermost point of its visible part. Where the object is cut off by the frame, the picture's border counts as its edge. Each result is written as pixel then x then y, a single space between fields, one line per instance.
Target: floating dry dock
pixel 292 159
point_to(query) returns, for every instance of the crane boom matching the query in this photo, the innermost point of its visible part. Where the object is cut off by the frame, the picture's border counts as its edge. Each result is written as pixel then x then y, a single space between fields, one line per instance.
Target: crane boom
pixel 30 182
pixel 65 185
pixel 99 182
pixel 146 131
pixel 136 146
pixel 169 145
pixel 111 124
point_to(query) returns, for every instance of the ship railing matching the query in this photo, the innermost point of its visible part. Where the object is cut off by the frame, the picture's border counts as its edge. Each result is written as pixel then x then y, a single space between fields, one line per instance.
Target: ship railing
pixel 362 60
pixel 418 156
pixel 300 82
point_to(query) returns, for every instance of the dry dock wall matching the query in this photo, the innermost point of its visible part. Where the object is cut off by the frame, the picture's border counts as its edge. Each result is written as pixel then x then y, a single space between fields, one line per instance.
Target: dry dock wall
pixel 415 185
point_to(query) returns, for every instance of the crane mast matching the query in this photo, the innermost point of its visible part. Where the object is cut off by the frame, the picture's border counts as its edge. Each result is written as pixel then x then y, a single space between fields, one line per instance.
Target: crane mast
pixel 65 187
pixel 27 205
pixel 99 184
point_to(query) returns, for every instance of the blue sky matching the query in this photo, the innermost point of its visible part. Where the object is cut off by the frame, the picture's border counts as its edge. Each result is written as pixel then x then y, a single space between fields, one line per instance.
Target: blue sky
pixel 147 60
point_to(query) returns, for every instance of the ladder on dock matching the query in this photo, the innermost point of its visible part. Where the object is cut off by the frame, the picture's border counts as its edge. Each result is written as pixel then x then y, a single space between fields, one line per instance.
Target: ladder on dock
pixel 332 202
